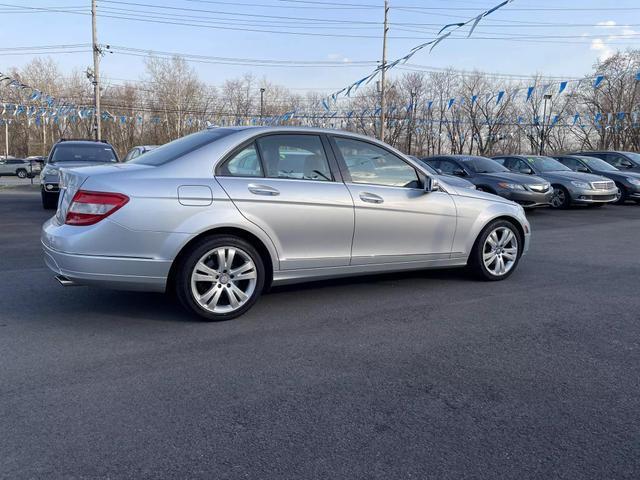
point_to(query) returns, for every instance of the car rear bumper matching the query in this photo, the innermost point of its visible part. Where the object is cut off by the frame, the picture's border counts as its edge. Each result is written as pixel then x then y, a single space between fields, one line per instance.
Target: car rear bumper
pixel 109 255
pixel 527 198
pixel 121 273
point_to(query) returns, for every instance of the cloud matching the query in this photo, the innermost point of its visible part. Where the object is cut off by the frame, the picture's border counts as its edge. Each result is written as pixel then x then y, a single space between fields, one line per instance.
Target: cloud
pixel 604 51
pixel 603 45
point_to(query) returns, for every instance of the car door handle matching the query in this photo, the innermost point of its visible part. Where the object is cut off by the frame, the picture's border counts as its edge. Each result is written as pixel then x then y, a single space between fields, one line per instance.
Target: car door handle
pixel 263 190
pixel 371 198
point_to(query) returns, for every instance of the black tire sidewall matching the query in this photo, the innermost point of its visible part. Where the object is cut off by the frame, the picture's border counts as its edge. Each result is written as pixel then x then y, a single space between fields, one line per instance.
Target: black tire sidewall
pixel 477 262
pixel 183 275
pixel 22 172
pixel 623 195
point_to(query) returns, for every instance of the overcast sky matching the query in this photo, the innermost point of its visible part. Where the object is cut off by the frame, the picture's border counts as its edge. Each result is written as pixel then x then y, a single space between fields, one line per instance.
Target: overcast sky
pixel 560 43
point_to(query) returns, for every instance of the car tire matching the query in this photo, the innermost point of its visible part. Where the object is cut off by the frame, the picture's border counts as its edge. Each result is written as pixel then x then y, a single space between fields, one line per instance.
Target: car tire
pixel 204 277
pixel 49 201
pixel 561 198
pixel 482 261
pixel 22 173
pixel 623 195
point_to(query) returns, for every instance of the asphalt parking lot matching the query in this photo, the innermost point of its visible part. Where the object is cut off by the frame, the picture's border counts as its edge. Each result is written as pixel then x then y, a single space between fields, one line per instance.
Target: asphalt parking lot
pixel 422 375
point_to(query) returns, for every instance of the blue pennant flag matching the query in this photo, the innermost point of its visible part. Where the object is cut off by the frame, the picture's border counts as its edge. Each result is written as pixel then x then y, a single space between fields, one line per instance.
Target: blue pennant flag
pixel 638 76
pixel 473 99
pixel 620 115
pixel 451 102
pixel 597 117
pixel 576 117
pixel 429 104
pixel 500 95
pixel 530 92
pixel 598 81
pixel 555 119
pixel 563 85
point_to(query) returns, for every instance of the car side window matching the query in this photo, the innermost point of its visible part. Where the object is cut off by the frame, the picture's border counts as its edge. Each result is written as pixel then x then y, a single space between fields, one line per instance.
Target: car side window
pixel 245 163
pixel 618 161
pixel 448 167
pixel 370 164
pixel 299 157
pixel 572 163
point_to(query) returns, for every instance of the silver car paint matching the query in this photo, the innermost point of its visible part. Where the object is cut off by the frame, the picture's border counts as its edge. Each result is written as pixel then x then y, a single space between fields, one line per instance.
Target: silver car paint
pixel 317 231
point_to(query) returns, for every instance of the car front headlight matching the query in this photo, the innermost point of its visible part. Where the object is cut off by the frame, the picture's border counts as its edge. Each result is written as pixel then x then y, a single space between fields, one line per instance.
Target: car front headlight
pixel 579 184
pixel 633 181
pixel 510 186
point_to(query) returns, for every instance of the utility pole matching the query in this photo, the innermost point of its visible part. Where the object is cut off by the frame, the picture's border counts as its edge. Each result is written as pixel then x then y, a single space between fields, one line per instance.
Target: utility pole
pixel 262 90
pixel 383 71
pixel 412 95
pixel 97 126
pixel 544 120
pixel 6 139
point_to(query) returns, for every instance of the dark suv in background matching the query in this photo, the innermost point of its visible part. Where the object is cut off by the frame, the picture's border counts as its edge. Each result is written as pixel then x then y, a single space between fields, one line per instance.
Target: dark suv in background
pixel 71 154
pixel 621 160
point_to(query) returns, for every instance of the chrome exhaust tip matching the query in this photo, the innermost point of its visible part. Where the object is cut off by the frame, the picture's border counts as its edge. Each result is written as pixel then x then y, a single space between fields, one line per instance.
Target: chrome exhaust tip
pixel 65 282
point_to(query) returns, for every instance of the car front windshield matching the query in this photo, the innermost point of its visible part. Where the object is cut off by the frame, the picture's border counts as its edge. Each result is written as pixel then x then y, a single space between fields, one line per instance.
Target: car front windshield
pixel 598 164
pixel 483 165
pixel 547 164
pixel 98 152
pixel 174 150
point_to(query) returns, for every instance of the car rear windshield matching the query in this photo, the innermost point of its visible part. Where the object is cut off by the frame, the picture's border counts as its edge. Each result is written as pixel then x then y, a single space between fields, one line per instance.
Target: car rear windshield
pixel 173 150
pixel 98 152
pixel 633 156
pixel 547 164
pixel 483 165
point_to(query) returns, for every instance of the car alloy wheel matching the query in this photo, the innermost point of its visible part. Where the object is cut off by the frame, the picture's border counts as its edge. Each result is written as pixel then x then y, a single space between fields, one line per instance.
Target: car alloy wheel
pixel 500 251
pixel 224 279
pixel 22 174
pixel 559 199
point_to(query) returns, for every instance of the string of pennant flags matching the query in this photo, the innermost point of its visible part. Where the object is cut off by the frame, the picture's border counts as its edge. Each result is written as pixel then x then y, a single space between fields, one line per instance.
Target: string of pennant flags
pixel 443 34
pixel 48 109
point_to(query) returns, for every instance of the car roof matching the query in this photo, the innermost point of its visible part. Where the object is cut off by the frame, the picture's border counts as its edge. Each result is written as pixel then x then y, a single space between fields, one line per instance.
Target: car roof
pixel 293 129
pixel 82 142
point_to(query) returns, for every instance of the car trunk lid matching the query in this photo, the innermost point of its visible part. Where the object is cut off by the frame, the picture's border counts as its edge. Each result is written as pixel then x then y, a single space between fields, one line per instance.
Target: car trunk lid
pixel 72 179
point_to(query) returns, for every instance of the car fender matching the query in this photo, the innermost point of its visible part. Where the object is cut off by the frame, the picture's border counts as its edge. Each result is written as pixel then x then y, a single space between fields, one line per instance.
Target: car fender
pixel 474 215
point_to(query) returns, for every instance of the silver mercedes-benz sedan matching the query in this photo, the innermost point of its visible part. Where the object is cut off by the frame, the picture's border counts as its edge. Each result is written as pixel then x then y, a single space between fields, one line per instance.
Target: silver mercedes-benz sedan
pixel 222 214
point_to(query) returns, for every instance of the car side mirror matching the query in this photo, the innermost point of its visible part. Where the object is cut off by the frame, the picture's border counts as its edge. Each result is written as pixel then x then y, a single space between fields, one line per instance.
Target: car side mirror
pixel 582 170
pixel 458 172
pixel 430 184
pixel 526 170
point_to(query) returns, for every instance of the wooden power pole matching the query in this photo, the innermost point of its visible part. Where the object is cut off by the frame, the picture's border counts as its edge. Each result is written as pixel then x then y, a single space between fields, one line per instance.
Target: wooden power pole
pixel 97 125
pixel 383 72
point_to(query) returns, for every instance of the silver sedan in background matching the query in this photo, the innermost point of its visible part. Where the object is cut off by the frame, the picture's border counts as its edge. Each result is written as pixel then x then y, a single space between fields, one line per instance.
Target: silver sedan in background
pixel 221 214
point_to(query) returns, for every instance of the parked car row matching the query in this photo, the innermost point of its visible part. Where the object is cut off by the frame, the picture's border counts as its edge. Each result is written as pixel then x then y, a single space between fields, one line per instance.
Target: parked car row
pixel 539 181
pixel 218 216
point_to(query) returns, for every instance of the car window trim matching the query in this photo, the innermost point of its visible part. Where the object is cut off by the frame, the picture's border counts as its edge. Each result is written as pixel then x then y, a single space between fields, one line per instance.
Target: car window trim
pixel 346 175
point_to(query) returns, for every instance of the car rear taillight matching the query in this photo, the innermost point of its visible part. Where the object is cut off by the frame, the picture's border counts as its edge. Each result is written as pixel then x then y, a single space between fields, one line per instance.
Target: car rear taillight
pixel 88 208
